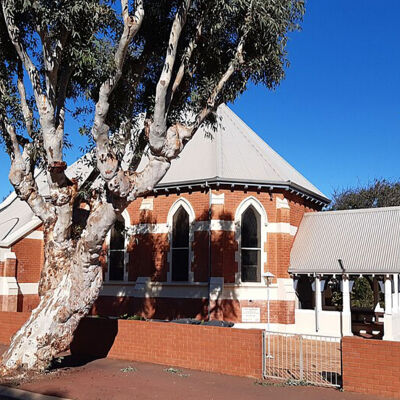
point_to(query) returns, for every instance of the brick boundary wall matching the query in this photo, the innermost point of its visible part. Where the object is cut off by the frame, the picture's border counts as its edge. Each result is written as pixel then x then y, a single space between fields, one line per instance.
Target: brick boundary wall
pixel 223 350
pixel 371 366
pixel 10 322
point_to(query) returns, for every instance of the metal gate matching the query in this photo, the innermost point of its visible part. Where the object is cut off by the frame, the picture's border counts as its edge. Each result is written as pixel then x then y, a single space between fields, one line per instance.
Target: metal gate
pixel 308 359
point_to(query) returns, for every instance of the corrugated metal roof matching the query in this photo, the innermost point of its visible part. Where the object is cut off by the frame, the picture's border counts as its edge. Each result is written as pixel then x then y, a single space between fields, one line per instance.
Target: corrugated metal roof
pixel 235 153
pixel 366 240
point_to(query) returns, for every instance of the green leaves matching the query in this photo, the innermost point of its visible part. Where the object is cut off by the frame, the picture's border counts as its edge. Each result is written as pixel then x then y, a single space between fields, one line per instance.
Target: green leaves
pixel 86 33
pixel 379 193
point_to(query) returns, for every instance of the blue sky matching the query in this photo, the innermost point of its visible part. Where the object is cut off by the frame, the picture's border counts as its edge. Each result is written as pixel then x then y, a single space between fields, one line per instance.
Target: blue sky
pixel 336 116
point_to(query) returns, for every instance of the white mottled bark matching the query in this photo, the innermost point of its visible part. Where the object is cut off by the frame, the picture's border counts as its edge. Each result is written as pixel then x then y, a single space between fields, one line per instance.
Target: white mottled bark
pixel 70 283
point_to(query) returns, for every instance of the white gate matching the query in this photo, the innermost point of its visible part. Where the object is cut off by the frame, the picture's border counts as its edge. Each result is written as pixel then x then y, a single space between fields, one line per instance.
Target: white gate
pixel 309 359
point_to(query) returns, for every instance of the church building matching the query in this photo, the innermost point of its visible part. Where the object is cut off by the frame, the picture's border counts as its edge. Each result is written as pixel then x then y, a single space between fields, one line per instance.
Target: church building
pixel 212 241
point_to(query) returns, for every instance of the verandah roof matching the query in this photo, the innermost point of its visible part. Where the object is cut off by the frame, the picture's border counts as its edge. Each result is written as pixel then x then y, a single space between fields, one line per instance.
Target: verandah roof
pixel 366 240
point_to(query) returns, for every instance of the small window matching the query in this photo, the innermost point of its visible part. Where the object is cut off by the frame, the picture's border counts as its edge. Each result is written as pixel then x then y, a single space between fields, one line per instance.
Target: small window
pixel 250 246
pixel 180 245
pixel 117 252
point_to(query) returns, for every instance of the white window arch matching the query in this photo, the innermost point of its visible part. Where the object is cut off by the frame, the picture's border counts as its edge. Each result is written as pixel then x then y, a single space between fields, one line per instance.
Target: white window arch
pixel 117 256
pixel 180 221
pixel 251 235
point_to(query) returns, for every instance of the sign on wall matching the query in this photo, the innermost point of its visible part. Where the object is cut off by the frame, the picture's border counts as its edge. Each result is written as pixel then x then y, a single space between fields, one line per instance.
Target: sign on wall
pixel 250 314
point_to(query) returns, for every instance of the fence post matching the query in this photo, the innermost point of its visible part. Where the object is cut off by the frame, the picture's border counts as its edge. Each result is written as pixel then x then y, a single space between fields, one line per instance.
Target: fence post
pixel 301 358
pixel 264 363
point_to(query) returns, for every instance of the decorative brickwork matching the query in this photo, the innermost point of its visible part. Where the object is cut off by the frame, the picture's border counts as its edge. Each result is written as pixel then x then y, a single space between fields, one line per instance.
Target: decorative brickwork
pixel 371 366
pixel 222 350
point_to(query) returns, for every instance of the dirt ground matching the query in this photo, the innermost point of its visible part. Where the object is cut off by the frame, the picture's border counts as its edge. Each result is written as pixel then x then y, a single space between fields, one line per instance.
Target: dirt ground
pixel 119 380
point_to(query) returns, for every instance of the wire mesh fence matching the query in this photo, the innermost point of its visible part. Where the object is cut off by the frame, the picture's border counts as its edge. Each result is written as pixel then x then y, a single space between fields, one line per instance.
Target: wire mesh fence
pixel 310 359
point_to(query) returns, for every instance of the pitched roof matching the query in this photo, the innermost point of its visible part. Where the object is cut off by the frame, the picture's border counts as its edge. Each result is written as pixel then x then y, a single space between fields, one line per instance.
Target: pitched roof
pixel 233 153
pixel 366 240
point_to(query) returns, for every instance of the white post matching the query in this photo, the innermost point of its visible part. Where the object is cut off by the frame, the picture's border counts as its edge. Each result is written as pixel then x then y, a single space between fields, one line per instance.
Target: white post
pixel 388 318
pixel 388 295
pixel 318 301
pixel 395 297
pixel 268 322
pixel 346 313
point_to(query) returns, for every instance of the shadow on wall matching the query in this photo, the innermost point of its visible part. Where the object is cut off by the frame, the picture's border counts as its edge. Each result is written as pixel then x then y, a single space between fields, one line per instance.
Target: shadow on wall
pixel 96 337
pixel 149 255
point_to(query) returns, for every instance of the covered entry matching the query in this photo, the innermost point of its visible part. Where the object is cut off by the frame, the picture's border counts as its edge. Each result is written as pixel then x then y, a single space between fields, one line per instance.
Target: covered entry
pixel 345 267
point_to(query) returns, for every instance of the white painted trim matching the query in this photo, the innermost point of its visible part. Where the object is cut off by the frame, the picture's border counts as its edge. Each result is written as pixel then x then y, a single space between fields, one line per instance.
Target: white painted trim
pixel 221 225
pixel 281 227
pixel 21 232
pixel 217 198
pixel 29 288
pixel 147 203
pixel 143 229
pixel 282 203
pixel 247 202
pixel 192 217
pixel 37 235
pixel 216 225
pixel 6 254
pixel 192 290
pixel 148 289
pixel 8 286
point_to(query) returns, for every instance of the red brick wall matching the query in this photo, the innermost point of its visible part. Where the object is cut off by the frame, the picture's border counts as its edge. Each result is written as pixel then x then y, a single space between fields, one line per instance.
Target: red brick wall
pixel 29 254
pixel 222 350
pixel 27 302
pixel 371 366
pixel 10 322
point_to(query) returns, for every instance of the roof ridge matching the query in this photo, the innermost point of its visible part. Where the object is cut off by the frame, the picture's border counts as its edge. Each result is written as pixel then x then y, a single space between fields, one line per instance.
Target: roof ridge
pixel 355 211
pixel 245 135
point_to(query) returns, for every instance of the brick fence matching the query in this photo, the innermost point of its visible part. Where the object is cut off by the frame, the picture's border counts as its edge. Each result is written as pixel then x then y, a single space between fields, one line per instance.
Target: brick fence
pixel 10 322
pixel 223 350
pixel 371 366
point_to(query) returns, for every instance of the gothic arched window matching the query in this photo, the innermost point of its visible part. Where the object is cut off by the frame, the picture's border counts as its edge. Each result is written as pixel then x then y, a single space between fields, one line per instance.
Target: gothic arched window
pixel 250 246
pixel 117 251
pixel 180 245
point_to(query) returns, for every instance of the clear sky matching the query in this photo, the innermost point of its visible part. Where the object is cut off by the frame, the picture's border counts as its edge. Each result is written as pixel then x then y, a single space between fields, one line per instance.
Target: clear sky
pixel 336 116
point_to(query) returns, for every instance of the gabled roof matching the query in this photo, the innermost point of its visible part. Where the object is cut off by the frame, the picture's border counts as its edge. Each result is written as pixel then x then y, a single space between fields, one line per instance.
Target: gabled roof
pixel 366 240
pixel 234 153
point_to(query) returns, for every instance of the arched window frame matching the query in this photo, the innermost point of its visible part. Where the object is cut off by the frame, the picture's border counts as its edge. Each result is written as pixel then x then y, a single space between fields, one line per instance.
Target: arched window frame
pixel 127 221
pixel 189 209
pixel 243 206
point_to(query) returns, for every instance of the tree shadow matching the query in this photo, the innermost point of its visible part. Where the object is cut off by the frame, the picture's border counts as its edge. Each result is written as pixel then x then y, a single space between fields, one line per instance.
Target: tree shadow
pixel 92 340
pixel 149 256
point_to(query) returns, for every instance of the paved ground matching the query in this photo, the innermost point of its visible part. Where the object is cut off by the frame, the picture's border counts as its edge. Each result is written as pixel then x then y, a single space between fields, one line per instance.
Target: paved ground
pixel 119 380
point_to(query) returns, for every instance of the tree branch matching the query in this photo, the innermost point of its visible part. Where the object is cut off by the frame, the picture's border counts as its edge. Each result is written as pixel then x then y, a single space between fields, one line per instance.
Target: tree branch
pixel 53 143
pixel 26 111
pixel 158 128
pixel 212 103
pixel 107 163
pixel 184 63
pixel 21 177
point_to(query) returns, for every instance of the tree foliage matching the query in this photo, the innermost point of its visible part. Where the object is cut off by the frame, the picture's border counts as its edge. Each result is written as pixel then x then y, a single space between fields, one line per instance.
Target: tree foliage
pixel 379 193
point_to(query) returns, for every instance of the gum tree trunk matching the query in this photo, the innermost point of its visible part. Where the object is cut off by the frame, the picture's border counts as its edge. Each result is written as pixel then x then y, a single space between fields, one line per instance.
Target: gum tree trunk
pixel 69 285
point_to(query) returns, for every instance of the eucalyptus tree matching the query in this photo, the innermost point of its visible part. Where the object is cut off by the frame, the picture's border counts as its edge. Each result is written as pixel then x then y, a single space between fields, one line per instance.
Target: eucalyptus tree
pixel 150 74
